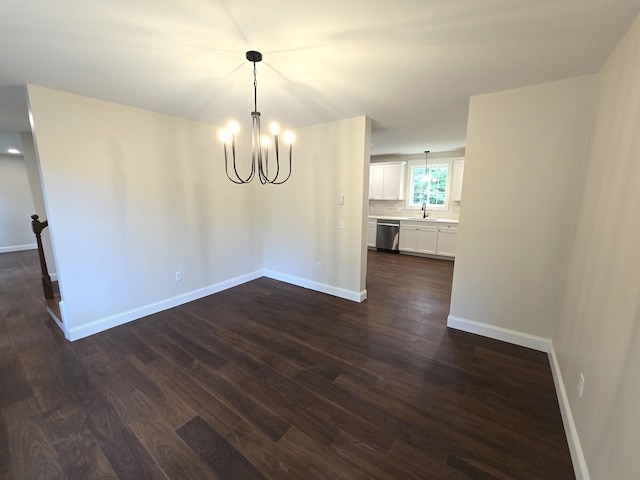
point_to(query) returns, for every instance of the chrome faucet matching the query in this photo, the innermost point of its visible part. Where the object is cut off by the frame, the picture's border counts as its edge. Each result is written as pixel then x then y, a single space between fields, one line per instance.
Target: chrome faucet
pixel 424 209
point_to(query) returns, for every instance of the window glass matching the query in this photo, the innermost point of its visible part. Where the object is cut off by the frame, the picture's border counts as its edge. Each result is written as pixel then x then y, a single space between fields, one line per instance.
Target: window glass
pixel 428 186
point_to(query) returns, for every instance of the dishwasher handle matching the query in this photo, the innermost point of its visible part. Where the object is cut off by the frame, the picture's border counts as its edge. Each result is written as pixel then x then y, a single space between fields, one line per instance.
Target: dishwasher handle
pixel 388 224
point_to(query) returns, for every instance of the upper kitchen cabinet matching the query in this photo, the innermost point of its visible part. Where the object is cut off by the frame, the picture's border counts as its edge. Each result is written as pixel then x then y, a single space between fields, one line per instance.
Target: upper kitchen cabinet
pixel 386 181
pixel 456 185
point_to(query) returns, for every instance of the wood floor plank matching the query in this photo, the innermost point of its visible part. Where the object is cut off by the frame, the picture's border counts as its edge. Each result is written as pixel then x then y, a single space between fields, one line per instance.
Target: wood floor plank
pixel 79 455
pixel 319 460
pixel 214 450
pixel 14 386
pixel 207 405
pixel 30 443
pixel 128 458
pixel 5 452
pixel 175 458
pixel 248 407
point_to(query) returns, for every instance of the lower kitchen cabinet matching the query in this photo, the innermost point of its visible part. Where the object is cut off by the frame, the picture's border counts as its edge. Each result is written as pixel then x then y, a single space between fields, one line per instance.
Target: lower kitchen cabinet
pixel 429 237
pixel 447 236
pixel 371 233
pixel 419 237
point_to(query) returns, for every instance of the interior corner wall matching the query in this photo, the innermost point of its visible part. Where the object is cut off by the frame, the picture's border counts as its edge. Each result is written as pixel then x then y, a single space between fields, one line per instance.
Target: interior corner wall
pixel 33 173
pixel 303 242
pixel 132 197
pixel 598 332
pixel 525 151
pixel 16 205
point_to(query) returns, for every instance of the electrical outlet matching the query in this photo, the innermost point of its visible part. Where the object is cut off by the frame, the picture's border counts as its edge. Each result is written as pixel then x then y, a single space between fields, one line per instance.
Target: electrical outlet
pixel 178 276
pixel 580 385
pixel 340 223
pixel 319 266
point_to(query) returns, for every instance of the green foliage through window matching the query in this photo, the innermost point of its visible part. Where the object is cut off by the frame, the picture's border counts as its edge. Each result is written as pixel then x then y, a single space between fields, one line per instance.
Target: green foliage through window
pixel 431 188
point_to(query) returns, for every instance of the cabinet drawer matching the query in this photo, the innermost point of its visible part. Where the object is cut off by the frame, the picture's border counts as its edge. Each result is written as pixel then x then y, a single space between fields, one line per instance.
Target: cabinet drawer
pixel 431 226
pixel 448 227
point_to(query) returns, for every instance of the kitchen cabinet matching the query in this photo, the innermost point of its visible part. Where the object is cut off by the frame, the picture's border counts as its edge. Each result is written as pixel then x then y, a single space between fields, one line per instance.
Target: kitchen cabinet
pixel 456 182
pixel 447 236
pixel 386 181
pixel 376 174
pixel 372 227
pixel 418 237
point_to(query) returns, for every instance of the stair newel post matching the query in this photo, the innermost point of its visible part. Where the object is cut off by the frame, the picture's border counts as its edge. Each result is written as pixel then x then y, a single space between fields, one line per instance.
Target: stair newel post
pixel 37 227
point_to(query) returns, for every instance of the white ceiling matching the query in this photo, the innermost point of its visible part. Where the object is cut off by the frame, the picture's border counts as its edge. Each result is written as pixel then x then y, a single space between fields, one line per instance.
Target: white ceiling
pixel 410 65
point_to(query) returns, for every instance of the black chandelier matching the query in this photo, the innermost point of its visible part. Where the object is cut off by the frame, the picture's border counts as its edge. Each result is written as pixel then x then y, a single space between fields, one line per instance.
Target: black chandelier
pixel 259 144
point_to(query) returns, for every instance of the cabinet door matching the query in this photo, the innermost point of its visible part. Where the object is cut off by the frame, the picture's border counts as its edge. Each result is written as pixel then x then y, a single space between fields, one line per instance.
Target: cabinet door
pixel 392 182
pixel 427 239
pixel 447 237
pixel 376 177
pixel 456 185
pixel 408 238
pixel 372 228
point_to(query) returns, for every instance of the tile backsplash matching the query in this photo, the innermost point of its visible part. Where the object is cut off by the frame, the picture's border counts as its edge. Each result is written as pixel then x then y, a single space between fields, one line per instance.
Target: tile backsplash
pixel 399 209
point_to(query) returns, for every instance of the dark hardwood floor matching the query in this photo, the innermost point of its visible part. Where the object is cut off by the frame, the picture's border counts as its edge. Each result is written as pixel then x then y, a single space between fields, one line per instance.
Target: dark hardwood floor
pixel 272 381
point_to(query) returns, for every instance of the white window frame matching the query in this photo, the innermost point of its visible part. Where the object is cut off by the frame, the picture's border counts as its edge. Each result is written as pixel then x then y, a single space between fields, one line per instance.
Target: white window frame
pixel 448 162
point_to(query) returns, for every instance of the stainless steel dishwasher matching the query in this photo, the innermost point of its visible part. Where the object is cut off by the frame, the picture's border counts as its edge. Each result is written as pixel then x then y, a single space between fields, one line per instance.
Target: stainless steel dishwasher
pixel 388 235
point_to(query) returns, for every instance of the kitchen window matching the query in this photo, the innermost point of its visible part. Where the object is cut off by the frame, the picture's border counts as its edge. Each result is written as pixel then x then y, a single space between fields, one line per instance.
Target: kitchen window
pixel 430 186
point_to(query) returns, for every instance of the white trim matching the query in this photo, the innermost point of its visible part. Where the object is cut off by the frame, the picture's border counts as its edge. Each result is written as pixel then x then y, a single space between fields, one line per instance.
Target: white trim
pixel 19 248
pixel 59 321
pixel 103 324
pixel 317 286
pixel 436 162
pixel 577 455
pixel 511 336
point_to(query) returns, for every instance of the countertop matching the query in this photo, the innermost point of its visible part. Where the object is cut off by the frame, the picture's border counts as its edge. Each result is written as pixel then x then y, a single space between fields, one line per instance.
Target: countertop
pixel 414 219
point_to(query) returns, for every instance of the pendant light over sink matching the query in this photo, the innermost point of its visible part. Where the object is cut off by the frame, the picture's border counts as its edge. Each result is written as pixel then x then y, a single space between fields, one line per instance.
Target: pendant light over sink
pixel 426 178
pixel 259 144
pixel 425 175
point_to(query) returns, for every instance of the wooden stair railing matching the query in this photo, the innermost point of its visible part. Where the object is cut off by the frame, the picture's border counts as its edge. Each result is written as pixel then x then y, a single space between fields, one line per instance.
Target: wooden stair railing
pixel 38 226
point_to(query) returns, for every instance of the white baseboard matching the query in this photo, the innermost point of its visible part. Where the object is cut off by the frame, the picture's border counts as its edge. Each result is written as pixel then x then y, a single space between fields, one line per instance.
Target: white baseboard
pixel 103 324
pixel 317 286
pixel 511 336
pixel 60 321
pixel 577 455
pixel 18 248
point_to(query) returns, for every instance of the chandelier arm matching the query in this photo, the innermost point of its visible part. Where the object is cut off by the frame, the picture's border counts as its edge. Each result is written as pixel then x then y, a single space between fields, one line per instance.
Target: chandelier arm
pixel 235 166
pixel 277 160
pixel 261 174
pixel 284 180
pixel 265 155
pixel 239 181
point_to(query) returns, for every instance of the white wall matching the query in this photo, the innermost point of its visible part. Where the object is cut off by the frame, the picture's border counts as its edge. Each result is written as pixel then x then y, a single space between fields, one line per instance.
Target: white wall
pixel 525 151
pixel 598 332
pixel 132 197
pixel 301 218
pixel 16 205
pixel 33 173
